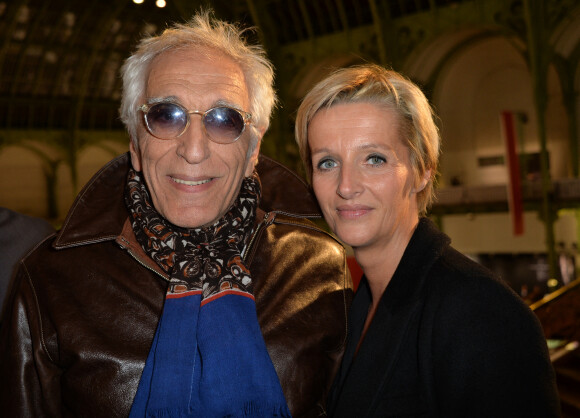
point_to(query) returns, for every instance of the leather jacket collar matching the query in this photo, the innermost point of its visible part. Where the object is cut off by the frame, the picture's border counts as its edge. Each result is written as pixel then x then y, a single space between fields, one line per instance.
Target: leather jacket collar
pixel 282 192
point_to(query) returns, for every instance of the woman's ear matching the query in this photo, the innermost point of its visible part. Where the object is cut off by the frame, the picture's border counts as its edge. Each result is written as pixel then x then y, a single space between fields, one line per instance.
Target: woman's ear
pixel 423 181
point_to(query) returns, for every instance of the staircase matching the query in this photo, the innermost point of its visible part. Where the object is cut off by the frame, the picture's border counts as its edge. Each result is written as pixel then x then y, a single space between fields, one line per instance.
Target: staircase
pixel 559 314
pixel 566 362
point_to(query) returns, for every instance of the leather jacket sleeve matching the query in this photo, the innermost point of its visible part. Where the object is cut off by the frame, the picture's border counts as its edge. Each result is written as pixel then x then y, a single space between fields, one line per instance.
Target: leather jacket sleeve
pixel 31 378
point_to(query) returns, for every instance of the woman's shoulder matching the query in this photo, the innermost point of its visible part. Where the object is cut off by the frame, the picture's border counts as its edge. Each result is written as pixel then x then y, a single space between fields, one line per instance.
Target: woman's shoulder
pixel 460 280
pixel 448 277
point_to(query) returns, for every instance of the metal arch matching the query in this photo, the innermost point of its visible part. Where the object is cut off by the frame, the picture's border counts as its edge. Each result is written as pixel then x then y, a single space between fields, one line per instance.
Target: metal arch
pixel 377 22
pixel 134 35
pixel 18 71
pixel 334 20
pixel 79 27
pixel 342 15
pixel 357 12
pixel 306 17
pixel 450 54
pixel 11 19
pixel 258 21
pixel 266 30
pixel 19 74
pixel 48 44
pixel 295 16
pixel 565 67
pixel 283 32
pixel 89 62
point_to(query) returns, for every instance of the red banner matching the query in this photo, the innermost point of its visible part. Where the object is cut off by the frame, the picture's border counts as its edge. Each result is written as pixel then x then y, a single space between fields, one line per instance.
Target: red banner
pixel 508 124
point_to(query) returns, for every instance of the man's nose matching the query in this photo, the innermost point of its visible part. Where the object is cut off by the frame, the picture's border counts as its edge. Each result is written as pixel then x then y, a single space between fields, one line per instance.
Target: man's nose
pixel 194 142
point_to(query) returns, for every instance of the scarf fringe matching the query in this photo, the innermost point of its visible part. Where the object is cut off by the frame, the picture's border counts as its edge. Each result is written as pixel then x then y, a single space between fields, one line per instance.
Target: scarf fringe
pixel 170 413
pixel 249 410
pixel 253 409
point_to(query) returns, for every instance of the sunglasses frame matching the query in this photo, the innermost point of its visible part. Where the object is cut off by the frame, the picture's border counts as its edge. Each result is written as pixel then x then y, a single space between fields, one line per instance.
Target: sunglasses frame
pixel 246 118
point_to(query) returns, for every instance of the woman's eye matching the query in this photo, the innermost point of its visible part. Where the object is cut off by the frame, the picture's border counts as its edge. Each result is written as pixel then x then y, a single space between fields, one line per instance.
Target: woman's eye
pixel 326 164
pixel 376 160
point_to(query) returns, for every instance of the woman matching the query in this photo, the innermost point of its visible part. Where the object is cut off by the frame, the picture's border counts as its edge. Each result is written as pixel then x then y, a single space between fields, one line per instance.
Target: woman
pixel 432 333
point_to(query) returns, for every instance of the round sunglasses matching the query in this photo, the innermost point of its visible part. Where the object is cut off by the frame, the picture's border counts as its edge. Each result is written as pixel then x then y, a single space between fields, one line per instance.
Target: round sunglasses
pixel 167 120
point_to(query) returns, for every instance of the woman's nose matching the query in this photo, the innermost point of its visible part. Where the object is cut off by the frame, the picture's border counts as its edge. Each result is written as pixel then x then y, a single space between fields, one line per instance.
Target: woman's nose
pixel 349 184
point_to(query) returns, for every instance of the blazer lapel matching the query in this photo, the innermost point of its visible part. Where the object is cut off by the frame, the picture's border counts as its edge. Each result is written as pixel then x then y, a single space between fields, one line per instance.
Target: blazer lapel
pixel 377 355
pixel 362 377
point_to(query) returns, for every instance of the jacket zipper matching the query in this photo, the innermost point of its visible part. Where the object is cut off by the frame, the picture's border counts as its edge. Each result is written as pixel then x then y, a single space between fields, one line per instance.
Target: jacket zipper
pixel 138 260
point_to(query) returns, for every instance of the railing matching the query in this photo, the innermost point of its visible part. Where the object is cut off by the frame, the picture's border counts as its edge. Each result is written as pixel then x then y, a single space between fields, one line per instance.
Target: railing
pixel 559 312
pixel 564 191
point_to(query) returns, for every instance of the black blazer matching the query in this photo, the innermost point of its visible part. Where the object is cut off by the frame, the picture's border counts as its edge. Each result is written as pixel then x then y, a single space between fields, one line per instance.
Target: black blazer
pixel 448 340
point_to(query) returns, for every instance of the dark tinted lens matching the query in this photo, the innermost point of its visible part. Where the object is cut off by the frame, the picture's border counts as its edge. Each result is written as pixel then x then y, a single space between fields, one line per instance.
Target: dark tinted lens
pixel 224 124
pixel 166 120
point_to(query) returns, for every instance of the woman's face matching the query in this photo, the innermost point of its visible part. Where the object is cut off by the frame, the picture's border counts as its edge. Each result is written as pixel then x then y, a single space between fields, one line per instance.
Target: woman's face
pixel 362 175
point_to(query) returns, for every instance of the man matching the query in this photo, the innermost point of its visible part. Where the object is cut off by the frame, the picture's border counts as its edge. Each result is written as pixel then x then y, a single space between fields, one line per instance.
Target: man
pixel 182 283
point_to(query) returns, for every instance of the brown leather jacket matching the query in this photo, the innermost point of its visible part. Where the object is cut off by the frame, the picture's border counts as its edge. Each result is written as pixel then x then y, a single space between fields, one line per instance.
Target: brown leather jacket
pixel 85 303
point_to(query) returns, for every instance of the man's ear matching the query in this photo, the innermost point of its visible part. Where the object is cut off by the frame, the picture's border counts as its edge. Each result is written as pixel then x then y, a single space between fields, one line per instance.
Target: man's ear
pixel 135 156
pixel 423 182
pixel 253 158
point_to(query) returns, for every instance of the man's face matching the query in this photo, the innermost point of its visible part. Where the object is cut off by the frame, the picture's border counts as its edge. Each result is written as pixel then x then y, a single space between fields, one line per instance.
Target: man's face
pixel 192 180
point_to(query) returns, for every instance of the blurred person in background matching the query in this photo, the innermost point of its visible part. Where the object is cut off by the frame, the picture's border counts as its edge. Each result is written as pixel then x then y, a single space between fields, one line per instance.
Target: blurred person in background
pixel 19 233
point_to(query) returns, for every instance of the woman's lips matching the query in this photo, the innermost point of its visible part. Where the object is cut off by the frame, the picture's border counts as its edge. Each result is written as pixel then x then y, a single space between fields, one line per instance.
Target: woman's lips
pixel 352 211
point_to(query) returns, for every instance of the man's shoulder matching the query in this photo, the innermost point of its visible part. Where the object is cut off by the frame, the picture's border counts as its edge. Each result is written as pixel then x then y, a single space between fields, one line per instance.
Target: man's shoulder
pixel 298 243
pixel 285 191
pixel 305 228
pixel 98 213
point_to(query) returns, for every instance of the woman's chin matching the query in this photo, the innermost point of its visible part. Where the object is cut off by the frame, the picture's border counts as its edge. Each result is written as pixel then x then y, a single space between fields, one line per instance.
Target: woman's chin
pixel 354 240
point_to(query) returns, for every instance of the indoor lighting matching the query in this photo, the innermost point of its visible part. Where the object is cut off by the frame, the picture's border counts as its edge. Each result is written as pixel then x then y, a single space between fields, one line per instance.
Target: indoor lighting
pixel 158 3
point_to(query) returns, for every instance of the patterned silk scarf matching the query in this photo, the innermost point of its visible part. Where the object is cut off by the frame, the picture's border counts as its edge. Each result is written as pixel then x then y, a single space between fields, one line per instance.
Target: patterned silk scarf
pixel 208 357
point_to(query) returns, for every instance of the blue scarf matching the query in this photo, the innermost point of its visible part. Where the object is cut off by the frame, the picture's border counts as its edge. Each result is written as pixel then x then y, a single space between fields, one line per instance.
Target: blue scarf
pixel 208 357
